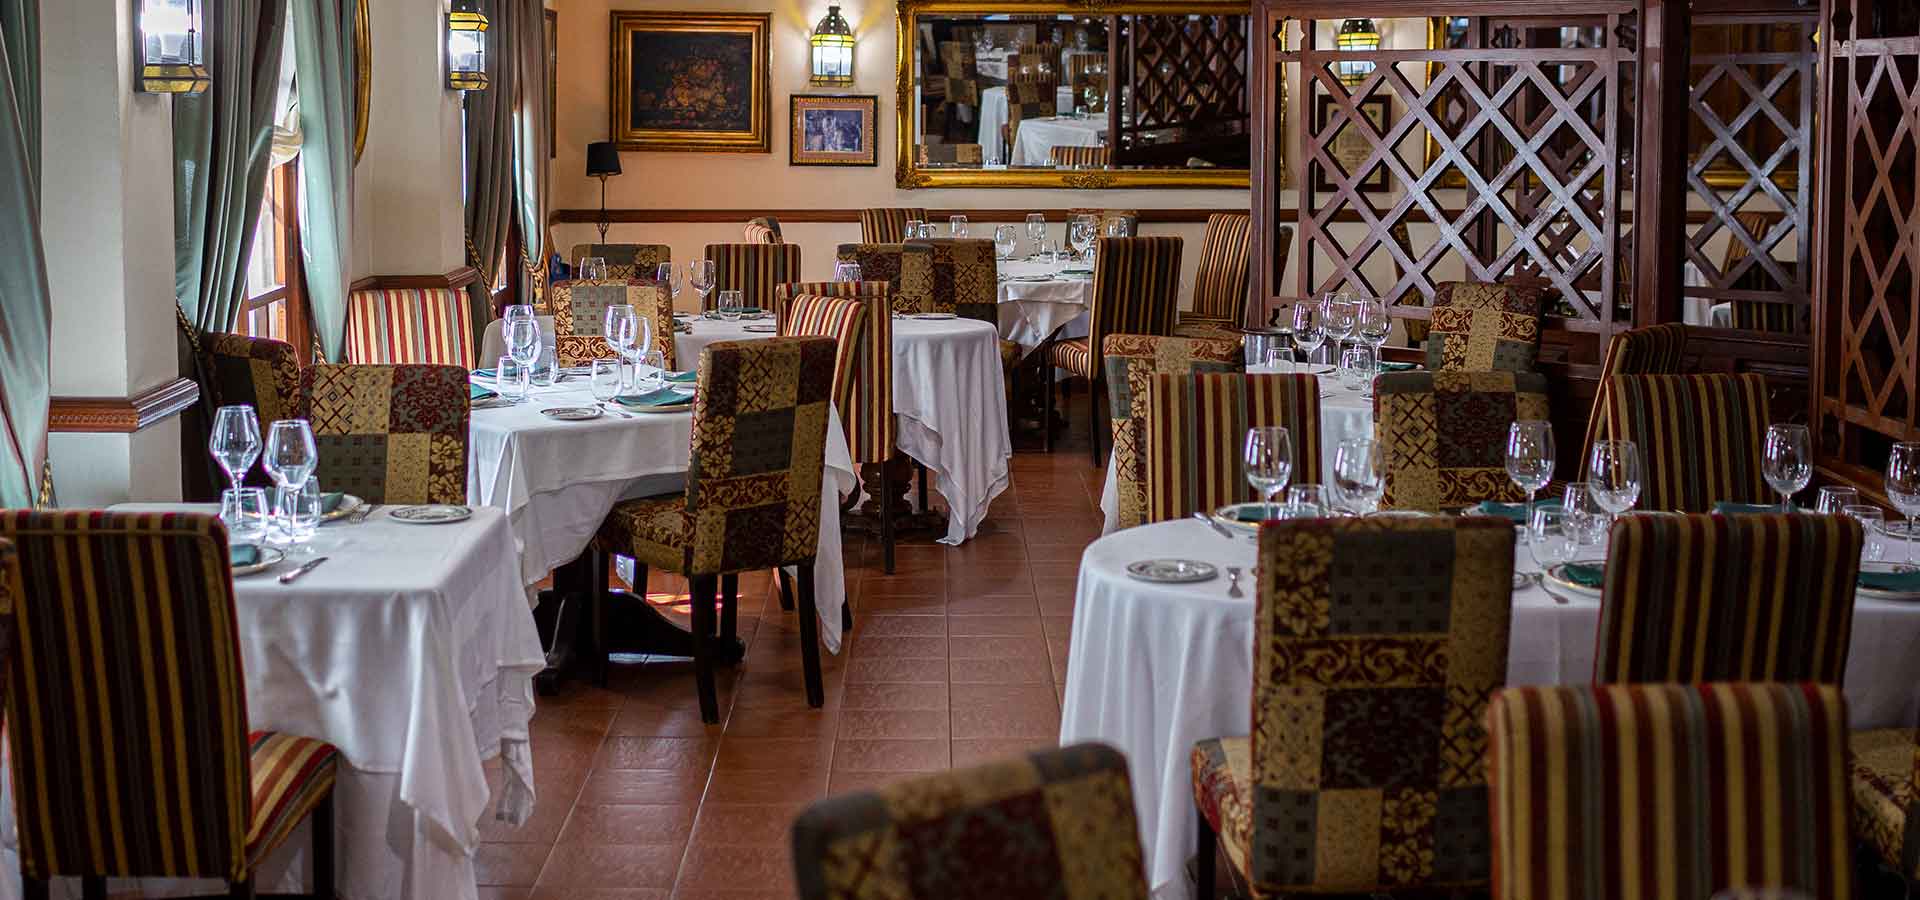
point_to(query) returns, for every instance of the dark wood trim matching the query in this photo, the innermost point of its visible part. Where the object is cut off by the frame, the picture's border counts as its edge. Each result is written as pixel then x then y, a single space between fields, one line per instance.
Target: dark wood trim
pixel 1665 113
pixel 850 215
pixel 122 415
pixel 458 278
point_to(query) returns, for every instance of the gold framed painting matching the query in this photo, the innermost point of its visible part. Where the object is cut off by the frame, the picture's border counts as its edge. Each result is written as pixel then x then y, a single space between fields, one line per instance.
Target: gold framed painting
pixel 695 82
pixel 834 130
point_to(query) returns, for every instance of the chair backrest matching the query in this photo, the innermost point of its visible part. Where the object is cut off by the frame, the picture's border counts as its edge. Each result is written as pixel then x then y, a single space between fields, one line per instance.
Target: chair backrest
pixel 758 450
pixel 625 262
pixel 1222 283
pixel 1886 767
pixel 1081 157
pixel 951 155
pixel 752 269
pixel 580 317
pixel 1086 70
pixel 126 663
pixel 1700 437
pixel 1445 435
pixel 1478 327
pixel 9 594
pixel 1106 218
pixel 1776 317
pixel 1195 426
pixel 1377 645
pixel 1653 350
pixel 1131 361
pixel 841 318
pixel 1136 289
pixel 887 262
pixel 1055 823
pixel 887 225
pixel 1030 96
pixel 1763 597
pixel 763 230
pixel 783 294
pixel 257 372
pixel 1037 59
pixel 390 434
pixel 1668 792
pixel 868 415
pixel 960 276
pixel 410 325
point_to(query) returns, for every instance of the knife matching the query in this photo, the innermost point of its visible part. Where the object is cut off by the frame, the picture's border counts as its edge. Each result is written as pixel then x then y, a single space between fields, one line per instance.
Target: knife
pixel 1216 526
pixel 305 567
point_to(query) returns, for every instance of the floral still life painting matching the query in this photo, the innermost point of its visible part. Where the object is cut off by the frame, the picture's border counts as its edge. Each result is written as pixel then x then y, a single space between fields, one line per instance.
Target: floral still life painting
pixel 690 81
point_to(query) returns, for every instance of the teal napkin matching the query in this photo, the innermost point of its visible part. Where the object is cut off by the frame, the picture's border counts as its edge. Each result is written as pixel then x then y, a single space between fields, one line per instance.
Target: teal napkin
pixel 330 501
pixel 1728 508
pixel 688 377
pixel 1891 581
pixel 741 310
pixel 1584 574
pixel 484 373
pixel 1386 366
pixel 476 392
pixel 243 554
pixel 1250 512
pixel 665 396
pixel 1515 511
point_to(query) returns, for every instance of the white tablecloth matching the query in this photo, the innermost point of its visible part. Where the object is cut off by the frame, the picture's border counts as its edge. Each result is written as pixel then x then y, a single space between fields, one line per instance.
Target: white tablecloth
pixel 558 480
pixel 1033 146
pixel 949 405
pixel 1031 311
pixel 413 651
pixel 1343 414
pixel 1156 668
pixel 993 114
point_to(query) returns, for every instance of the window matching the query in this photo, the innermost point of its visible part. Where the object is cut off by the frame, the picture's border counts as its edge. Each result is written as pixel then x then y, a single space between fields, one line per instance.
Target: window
pixel 275 302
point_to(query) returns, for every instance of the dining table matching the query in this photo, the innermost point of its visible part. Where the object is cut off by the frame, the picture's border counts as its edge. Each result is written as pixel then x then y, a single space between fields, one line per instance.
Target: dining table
pixel 1155 668
pixel 412 650
pixel 993 114
pixel 1042 299
pixel 1035 138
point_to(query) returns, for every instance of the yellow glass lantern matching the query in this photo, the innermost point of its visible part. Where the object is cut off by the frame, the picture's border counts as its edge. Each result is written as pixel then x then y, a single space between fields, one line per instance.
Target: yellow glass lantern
pixel 466 47
pixel 1355 35
pixel 172 60
pixel 832 51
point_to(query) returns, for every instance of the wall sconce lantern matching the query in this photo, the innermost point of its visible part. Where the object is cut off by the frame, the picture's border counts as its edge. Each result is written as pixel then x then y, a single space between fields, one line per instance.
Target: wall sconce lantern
pixel 1356 35
pixel 171 58
pixel 466 47
pixel 832 51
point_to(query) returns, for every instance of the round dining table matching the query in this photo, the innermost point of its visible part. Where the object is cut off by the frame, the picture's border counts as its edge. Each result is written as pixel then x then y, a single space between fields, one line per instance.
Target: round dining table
pixel 1042 299
pixel 1155 668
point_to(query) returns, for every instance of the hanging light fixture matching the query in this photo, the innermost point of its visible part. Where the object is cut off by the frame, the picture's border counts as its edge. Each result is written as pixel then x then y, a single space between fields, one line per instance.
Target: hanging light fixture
pixel 832 51
pixel 466 47
pixel 1356 36
pixel 171 57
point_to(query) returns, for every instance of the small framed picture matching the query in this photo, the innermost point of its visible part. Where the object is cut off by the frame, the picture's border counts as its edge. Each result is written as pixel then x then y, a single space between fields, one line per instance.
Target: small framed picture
pixel 834 130
pixel 1350 147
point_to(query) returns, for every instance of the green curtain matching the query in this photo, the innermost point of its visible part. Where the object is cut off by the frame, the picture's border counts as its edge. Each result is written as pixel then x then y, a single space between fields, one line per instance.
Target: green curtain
pixel 532 144
pixel 490 154
pixel 222 140
pixel 323 52
pixel 26 315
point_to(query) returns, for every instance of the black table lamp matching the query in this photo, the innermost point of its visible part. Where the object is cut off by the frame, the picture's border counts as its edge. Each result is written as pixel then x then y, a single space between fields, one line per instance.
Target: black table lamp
pixel 603 160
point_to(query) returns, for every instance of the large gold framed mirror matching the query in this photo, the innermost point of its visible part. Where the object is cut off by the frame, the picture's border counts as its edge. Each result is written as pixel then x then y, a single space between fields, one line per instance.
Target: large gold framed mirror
pixel 362 77
pixel 1092 94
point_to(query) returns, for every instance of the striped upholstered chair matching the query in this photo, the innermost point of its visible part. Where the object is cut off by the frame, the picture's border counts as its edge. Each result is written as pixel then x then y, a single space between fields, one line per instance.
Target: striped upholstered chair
pixel 884 262
pixel 1653 350
pixel 1136 284
pixel 1478 327
pixel 1365 771
pixel 1132 360
pixel 580 316
pixel 842 319
pixel 752 500
pixel 1195 425
pixel 118 669
pixel 752 269
pixel 1886 796
pixel 783 294
pixel 389 434
pixel 763 230
pixel 1629 791
pixel 1764 597
pixel 888 225
pixel 1700 437
pixel 1222 283
pixel 626 261
pixel 1445 435
pixel 410 325
pixel 1054 823
pixel 1081 157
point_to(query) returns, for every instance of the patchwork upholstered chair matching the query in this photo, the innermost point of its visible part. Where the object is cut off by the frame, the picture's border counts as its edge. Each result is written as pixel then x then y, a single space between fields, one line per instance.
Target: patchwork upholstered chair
pixel 1378 643
pixel 580 316
pixel 116 669
pixel 1445 435
pixel 626 262
pixel 1056 823
pixel 1136 283
pixel 964 278
pixel 259 372
pixel 1131 361
pixel 1700 437
pixel 883 262
pixel 1653 350
pixel 763 230
pixel 1195 426
pixel 1222 283
pixel 1629 791
pixel 410 325
pixel 752 500
pixel 1081 157
pixel 1478 327
pixel 752 269
pixel 1029 96
pixel 1885 781
pixel 951 155
pixel 888 225
pixel 1765 597
pixel 389 434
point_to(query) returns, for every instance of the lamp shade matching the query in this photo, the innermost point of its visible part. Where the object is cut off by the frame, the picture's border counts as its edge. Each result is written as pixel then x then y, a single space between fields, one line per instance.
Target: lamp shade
pixel 1356 35
pixel 602 159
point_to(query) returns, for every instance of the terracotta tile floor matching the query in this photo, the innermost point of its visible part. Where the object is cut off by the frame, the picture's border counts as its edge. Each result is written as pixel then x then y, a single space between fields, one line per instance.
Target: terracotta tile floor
pixel 956 658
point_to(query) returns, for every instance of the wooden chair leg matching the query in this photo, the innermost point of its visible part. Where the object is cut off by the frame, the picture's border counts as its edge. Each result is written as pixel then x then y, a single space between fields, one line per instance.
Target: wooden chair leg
pixel 241 890
pixel 785 582
pixel 920 479
pixel 886 518
pixel 323 862
pixel 93 887
pixel 810 638
pixel 1093 419
pixel 729 606
pixel 34 888
pixel 602 595
pixel 1203 861
pixel 1048 383
pixel 703 588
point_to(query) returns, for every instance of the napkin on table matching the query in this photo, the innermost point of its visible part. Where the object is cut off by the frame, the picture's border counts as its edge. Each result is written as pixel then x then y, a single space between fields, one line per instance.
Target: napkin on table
pixel 476 392
pixel 1515 511
pixel 243 554
pixel 687 377
pixel 1584 574
pixel 1891 581
pixel 331 500
pixel 1388 366
pixel 657 397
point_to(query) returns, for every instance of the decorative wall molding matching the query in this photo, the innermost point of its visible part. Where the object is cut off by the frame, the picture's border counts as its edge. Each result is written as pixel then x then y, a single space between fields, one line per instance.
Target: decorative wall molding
pixel 850 215
pixel 458 278
pixel 122 415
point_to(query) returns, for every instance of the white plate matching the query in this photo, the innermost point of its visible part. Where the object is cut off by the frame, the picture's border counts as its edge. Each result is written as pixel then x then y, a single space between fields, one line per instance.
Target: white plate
pixel 494 402
pixel 1563 583
pixel 1172 571
pixel 1877 593
pixel 431 514
pixel 573 413
pixel 1400 514
pixel 933 316
pixel 761 329
pixel 269 557
pixel 348 504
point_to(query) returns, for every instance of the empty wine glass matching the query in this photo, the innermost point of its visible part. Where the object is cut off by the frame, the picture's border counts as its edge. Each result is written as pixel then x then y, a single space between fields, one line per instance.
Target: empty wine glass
pixel 665 276
pixel 1873 530
pixel 1613 475
pixel 1903 487
pixel 1309 330
pixel 235 441
pixel 1372 323
pixel 516 311
pixel 1831 499
pixel 290 459
pixel 1118 228
pixel 1359 474
pixel 928 230
pixel 957 226
pixel 1551 539
pixel 1338 314
pixel 621 329
pixel 1268 454
pixel 592 268
pixel 1080 234
pixel 912 230
pixel 1004 239
pixel 700 276
pixel 1530 456
pixel 1036 231
pixel 846 270
pixel 1786 460
pixel 523 340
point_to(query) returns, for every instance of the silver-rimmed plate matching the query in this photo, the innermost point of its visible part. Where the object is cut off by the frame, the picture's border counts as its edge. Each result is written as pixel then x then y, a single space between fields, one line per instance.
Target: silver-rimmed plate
pixel 1556 576
pixel 573 413
pixel 1875 593
pixel 933 316
pixel 1172 571
pixel 269 557
pixel 349 504
pixel 760 329
pixel 1242 516
pixel 431 514
pixel 1401 514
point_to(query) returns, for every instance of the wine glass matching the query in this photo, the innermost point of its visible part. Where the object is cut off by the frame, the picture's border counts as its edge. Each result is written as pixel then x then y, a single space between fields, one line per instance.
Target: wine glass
pixel 1786 460
pixel 1357 368
pixel 1338 314
pixel 1359 474
pixel 1036 230
pixel 846 271
pixel 665 276
pixel 516 311
pixel 523 340
pixel 1268 454
pixel 1613 473
pixel 1903 486
pixel 1832 500
pixel 1530 456
pixel 621 330
pixel 1117 228
pixel 1372 323
pixel 957 226
pixel 235 441
pixel 290 458
pixel 1873 530
pixel 1552 539
pixel 700 276
pixel 1004 238
pixel 1080 234
pixel 1309 330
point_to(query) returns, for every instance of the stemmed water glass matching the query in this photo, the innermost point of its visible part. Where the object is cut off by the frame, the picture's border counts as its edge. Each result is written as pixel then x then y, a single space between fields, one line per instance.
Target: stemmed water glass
pixel 846 271
pixel 1309 329
pixel 1338 315
pixel 621 331
pixel 1372 323
pixel 665 276
pixel 1833 499
pixel 523 342
pixel 1269 458
pixel 1903 487
pixel 1036 231
pixel 1359 474
pixel 1004 238
pixel 1786 459
pixel 290 458
pixel 235 442
pixel 1080 234
pixel 1530 456
pixel 700 276
pixel 1613 472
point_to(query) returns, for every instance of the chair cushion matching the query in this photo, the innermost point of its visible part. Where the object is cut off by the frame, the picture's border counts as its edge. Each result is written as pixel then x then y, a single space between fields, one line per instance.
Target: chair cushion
pixel 1223 789
pixel 1075 356
pixel 1194 326
pixel 1883 792
pixel 652 530
pixel 291 775
pixel 1483 327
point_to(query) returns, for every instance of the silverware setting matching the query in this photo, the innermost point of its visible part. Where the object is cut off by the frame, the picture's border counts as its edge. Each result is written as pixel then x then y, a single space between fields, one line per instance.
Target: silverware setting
pixel 1233 583
pixel 1218 528
pixel 616 410
pixel 305 567
pixel 365 510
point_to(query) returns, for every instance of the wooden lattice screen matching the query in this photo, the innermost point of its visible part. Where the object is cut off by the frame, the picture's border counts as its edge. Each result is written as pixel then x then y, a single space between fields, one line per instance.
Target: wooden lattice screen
pixel 1186 80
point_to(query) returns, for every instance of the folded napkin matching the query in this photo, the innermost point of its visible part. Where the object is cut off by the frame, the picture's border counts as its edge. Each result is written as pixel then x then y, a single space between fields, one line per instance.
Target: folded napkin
pixel 243 554
pixel 1386 366
pixel 657 397
pixel 476 392
pixel 1891 581
pixel 1515 511
pixel 687 377
pixel 1729 508
pixel 331 500
pixel 1250 512
pixel 485 373
pixel 1584 574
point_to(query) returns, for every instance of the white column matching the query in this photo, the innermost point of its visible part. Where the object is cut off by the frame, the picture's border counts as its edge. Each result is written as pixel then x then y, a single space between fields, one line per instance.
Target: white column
pixel 409 218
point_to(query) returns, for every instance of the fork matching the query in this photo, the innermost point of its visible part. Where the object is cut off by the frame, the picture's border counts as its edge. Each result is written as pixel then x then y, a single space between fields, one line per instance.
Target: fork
pixel 616 410
pixel 365 511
